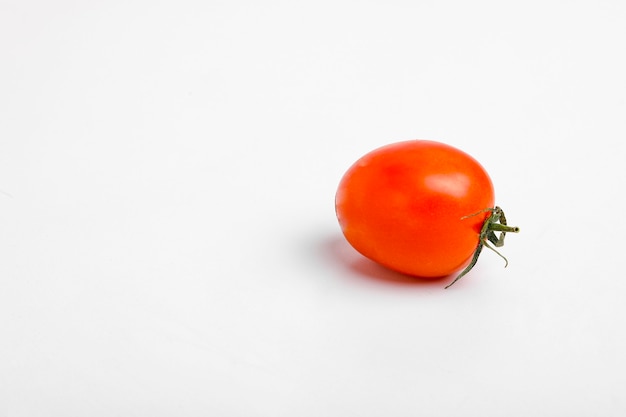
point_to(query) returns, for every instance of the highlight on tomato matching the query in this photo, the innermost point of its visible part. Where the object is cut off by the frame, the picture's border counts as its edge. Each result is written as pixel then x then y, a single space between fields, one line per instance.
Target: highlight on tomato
pixel 420 207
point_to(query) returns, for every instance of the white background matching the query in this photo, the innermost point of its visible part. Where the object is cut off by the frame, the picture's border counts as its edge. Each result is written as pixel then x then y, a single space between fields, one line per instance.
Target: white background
pixel 168 244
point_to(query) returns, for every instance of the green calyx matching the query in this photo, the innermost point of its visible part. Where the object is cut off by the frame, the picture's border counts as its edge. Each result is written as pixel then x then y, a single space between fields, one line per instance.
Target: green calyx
pixel 495 222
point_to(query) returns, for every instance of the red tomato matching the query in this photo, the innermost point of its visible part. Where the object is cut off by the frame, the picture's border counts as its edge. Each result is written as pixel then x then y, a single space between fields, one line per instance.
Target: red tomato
pixel 405 205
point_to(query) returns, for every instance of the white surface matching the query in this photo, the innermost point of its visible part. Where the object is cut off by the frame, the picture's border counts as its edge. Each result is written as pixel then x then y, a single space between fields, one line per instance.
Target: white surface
pixel 168 244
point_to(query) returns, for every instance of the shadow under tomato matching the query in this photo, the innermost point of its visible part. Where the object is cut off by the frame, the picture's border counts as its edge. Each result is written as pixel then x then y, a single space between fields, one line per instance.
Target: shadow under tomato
pixel 337 250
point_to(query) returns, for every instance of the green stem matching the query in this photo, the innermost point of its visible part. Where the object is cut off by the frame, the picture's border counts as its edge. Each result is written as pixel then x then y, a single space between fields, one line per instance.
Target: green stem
pixel 497 227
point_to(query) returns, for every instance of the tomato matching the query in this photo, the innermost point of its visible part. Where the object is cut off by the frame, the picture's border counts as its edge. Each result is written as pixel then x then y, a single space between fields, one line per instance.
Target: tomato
pixel 417 207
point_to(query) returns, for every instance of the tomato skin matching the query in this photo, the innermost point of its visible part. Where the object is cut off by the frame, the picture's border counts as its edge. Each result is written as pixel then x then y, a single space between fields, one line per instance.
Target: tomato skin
pixel 402 205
